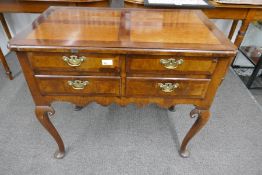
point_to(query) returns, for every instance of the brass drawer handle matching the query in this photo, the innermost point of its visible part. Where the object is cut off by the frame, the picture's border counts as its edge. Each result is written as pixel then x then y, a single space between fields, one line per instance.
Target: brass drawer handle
pixel 78 84
pixel 74 60
pixel 168 87
pixel 171 63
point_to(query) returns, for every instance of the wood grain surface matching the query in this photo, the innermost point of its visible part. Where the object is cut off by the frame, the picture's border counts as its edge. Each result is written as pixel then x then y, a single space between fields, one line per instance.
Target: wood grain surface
pixel 87 28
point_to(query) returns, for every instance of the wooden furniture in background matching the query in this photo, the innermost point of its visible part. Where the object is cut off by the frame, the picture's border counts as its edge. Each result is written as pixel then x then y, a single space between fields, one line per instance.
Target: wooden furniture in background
pixel 2 57
pixel 37 6
pixel 123 56
pixel 247 2
pixel 5 65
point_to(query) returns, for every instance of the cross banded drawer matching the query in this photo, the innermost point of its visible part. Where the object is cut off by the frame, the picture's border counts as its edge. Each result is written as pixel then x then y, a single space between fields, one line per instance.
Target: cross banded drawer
pixel 74 62
pixel 78 85
pixel 168 87
pixel 170 65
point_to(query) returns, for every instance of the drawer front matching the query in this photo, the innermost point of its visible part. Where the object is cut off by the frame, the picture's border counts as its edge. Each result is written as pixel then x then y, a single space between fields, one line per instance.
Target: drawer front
pixel 186 88
pixel 170 65
pixel 74 85
pixel 79 62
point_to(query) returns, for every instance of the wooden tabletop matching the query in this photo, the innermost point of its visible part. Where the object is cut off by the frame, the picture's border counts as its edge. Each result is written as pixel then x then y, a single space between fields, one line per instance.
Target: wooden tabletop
pixel 69 28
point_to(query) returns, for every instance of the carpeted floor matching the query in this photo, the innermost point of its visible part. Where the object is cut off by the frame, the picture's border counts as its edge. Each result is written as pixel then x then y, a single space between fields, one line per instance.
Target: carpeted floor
pixel 130 141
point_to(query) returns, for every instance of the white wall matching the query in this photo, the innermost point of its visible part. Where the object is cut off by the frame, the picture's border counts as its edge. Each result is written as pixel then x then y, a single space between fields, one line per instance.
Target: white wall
pixel 3 41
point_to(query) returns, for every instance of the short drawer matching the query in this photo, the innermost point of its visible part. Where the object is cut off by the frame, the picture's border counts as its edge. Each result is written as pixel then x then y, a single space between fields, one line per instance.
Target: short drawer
pixel 169 87
pixel 78 85
pixel 70 62
pixel 170 65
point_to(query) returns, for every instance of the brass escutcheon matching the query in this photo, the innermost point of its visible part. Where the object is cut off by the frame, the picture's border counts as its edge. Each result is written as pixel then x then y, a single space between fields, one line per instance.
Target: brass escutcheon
pixel 168 87
pixel 78 84
pixel 171 63
pixel 74 60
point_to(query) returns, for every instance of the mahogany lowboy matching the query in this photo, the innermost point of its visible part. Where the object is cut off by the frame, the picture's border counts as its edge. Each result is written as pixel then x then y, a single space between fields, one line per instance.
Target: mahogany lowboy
pixel 123 56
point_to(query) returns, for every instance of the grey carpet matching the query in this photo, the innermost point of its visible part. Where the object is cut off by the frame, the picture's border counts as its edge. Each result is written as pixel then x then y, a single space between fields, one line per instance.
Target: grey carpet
pixel 129 141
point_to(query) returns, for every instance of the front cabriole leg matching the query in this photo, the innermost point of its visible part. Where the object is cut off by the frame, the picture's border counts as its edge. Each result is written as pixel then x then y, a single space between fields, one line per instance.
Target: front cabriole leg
pixel 172 108
pixel 202 118
pixel 42 114
pixel 78 108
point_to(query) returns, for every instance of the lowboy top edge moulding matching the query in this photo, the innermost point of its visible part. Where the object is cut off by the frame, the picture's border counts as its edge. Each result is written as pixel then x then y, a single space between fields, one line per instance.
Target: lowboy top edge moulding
pixel 123 56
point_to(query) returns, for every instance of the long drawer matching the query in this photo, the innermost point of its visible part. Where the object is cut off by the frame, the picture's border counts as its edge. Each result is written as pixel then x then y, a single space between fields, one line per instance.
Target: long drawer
pixel 78 85
pixel 78 62
pixel 168 87
pixel 170 65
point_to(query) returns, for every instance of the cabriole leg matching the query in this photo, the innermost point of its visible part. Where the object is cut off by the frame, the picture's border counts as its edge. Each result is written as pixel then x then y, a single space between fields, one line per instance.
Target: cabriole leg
pixel 42 114
pixel 202 118
pixel 78 108
pixel 172 108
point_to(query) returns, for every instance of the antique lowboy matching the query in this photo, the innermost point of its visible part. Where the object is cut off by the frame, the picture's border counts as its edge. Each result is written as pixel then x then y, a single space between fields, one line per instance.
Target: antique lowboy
pixel 83 55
